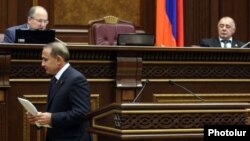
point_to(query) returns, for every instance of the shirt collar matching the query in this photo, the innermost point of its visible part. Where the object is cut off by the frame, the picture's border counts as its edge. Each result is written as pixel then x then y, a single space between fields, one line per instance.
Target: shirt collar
pixel 230 39
pixel 61 71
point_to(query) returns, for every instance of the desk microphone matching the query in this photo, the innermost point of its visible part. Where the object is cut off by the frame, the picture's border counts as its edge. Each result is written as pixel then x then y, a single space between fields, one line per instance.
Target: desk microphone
pixel 60 41
pixel 140 92
pixel 178 85
pixel 245 45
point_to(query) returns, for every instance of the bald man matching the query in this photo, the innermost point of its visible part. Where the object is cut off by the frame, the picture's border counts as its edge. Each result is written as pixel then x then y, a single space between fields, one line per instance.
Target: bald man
pixel 37 19
pixel 226 29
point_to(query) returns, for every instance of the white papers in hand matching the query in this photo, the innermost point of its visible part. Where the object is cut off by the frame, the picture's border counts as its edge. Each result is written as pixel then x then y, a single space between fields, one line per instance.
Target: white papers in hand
pixel 31 109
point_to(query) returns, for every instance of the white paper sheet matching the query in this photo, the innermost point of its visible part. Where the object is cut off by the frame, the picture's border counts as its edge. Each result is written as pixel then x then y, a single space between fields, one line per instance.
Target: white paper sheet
pixel 31 109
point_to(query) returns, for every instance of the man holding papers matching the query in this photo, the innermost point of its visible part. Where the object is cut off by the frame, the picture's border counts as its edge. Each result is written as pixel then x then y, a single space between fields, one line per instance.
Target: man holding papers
pixel 68 99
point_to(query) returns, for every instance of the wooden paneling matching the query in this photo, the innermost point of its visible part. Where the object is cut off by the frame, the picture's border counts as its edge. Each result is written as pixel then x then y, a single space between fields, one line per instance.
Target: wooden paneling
pixel 165 121
pixel 3 115
pixel 4 85
pixel 78 12
pixel 3 15
pixel 196 20
pixel 3 123
pixel 197 97
pixel 2 99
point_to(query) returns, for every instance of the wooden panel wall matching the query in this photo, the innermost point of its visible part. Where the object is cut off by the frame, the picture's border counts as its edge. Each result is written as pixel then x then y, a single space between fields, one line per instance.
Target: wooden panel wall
pixel 3 117
pixel 78 12
pixel 3 15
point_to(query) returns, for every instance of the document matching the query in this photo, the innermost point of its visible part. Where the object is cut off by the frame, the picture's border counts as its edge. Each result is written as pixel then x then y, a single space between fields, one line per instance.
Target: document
pixel 31 108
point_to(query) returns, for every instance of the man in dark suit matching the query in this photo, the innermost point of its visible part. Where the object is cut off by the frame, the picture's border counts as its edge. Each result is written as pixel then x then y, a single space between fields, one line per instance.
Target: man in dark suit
pixel 226 29
pixel 68 100
pixel 37 19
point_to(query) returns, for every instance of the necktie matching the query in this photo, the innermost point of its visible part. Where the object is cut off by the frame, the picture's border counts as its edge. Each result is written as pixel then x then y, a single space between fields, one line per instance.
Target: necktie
pixel 53 86
pixel 225 43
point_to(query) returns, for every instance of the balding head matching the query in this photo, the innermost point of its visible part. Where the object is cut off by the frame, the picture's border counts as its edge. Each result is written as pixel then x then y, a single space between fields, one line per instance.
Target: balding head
pixel 59 49
pixel 36 9
pixel 37 18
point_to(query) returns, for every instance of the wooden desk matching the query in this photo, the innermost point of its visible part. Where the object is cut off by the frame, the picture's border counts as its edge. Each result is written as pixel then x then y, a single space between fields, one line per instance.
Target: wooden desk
pixel 151 121
pixel 215 74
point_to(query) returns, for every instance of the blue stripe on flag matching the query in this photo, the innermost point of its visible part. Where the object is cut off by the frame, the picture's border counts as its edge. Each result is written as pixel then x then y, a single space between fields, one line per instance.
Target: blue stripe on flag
pixel 171 10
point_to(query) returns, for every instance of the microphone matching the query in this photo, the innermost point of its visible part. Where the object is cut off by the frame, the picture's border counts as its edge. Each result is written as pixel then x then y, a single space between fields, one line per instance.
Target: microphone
pixel 60 41
pixel 245 45
pixel 137 96
pixel 173 83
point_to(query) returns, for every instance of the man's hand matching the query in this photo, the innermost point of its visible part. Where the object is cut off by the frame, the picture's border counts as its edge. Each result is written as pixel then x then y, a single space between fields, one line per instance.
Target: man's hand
pixel 43 118
pixel 31 118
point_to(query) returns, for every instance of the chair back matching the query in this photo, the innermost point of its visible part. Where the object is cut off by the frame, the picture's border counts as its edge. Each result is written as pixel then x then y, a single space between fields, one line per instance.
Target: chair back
pixel 104 31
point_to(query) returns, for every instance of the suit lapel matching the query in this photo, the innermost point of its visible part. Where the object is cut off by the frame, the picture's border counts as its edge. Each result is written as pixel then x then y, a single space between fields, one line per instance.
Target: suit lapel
pixel 235 44
pixel 215 42
pixel 58 86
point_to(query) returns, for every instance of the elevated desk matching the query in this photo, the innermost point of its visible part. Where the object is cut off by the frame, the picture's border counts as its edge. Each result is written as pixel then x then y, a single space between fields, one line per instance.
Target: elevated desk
pixel 131 121
pixel 116 74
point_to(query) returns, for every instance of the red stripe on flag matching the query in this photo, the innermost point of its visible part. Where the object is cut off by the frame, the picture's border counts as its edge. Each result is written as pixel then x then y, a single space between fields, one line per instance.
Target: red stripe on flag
pixel 180 23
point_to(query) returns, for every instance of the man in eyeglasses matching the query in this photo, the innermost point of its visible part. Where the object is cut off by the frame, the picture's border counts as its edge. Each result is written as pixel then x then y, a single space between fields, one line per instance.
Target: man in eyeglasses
pixel 226 29
pixel 37 19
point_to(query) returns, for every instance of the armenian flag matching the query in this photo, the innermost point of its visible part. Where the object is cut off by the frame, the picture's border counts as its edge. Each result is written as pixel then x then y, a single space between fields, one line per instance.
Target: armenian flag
pixel 169 23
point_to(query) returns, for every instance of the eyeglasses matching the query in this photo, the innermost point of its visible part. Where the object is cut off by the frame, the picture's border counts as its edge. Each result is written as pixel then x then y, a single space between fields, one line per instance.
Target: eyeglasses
pixel 40 20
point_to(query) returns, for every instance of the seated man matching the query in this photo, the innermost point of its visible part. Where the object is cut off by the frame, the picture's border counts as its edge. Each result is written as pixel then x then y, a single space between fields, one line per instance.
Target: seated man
pixel 226 29
pixel 37 19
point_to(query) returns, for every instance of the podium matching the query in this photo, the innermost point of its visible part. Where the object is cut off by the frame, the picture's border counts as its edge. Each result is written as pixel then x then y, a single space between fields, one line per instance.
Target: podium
pixel 137 121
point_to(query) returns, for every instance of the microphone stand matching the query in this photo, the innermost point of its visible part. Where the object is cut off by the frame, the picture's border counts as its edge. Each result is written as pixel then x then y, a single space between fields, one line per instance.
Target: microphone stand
pixel 173 83
pixel 245 45
pixel 137 96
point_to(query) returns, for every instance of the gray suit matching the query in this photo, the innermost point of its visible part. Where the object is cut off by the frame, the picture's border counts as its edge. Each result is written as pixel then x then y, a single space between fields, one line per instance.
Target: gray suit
pixel 10 33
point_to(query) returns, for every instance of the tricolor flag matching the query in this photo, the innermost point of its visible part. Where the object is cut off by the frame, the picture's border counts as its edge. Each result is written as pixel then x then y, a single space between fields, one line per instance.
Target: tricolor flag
pixel 169 23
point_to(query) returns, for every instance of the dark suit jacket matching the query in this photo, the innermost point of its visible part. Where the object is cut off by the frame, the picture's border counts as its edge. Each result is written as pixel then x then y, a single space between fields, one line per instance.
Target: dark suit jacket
pixel 10 33
pixel 69 103
pixel 215 42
